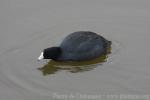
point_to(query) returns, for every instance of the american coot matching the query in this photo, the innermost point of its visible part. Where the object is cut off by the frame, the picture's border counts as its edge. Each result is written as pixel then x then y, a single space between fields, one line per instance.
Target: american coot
pixel 78 46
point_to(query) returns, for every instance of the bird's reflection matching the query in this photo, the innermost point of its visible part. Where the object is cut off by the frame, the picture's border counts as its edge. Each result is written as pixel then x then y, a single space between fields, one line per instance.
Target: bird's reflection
pixel 73 66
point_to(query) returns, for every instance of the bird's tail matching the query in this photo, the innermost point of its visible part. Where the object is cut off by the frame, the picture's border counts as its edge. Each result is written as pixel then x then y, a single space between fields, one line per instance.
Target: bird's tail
pixel 108 47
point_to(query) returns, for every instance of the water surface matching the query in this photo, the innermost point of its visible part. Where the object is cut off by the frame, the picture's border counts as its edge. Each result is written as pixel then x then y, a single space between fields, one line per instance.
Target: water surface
pixel 26 28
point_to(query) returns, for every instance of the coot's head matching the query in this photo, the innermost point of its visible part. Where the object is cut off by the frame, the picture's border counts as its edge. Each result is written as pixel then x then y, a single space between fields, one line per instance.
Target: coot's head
pixel 50 53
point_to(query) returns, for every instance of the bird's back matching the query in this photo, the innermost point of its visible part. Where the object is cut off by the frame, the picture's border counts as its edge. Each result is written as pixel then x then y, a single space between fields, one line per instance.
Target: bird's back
pixel 82 45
